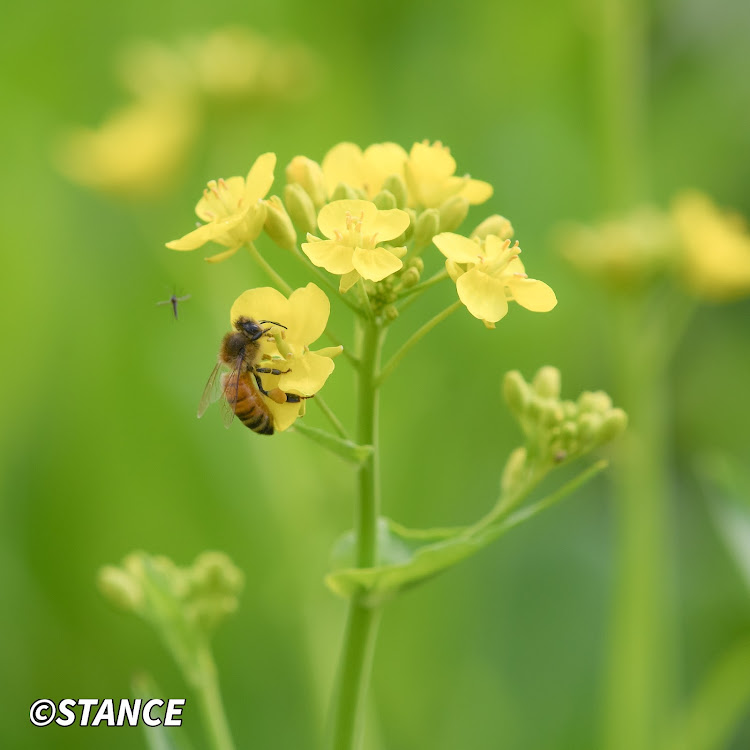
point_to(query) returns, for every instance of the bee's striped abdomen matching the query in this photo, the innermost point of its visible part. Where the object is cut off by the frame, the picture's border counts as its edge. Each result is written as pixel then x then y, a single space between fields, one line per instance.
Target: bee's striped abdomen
pixel 251 410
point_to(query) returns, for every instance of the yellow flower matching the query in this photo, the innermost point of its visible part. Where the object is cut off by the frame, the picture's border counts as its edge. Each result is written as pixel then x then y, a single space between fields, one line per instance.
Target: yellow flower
pixel 366 171
pixel 135 152
pixel 431 179
pixel 233 209
pixel 305 316
pixel 716 248
pixel 625 251
pixel 488 273
pixel 354 229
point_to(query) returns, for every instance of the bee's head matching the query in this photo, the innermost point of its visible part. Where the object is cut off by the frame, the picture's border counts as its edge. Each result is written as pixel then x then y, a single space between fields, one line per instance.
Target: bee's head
pixel 252 328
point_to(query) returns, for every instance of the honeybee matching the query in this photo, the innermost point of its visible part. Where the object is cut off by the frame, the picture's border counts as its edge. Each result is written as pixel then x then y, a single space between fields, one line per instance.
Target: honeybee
pixel 242 387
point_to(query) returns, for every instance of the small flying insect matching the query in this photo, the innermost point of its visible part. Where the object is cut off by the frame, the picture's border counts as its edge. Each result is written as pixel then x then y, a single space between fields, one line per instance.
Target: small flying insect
pixel 174 300
pixel 242 387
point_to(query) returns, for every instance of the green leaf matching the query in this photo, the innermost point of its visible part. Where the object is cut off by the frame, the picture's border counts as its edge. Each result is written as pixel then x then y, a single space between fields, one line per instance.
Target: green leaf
pixel 346 449
pixel 408 557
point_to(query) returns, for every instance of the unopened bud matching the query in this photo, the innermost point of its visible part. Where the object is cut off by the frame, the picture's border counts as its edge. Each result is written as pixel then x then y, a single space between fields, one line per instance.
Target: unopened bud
pixel 308 174
pixel 516 392
pixel 215 573
pixel 550 414
pixel 344 192
pixel 596 401
pixel 589 426
pixel 301 208
pixel 495 224
pixel 384 200
pixel 453 212
pixel 397 187
pixel 417 263
pixel 615 423
pixel 428 225
pixel 120 588
pixel 546 382
pixel 390 312
pixel 409 231
pixel 278 225
pixel 410 277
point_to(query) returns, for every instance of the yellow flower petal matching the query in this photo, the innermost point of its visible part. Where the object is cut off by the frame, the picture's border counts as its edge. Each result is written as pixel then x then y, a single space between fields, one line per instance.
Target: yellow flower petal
pixel 330 255
pixel 483 295
pixel 343 163
pixel 284 415
pixel 307 374
pixel 211 208
pixel 259 178
pixel 263 303
pixel 309 311
pixel 207 233
pixel 332 217
pixel 457 248
pixel 375 264
pixel 222 256
pixel 532 294
pixel 380 161
pixel 388 224
pixel 476 191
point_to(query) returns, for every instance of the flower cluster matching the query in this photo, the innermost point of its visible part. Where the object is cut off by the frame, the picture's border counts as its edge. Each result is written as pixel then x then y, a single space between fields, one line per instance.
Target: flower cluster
pixel 556 430
pixel 706 250
pixel 304 317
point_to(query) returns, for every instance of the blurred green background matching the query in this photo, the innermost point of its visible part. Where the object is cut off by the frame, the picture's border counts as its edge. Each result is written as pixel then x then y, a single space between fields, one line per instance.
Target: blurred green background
pixel 101 452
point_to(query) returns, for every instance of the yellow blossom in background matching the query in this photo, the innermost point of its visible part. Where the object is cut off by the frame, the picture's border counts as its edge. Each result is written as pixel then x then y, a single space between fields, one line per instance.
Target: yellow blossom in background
pixel 305 316
pixel 488 274
pixel 623 251
pixel 715 248
pixel 148 69
pixel 233 209
pixel 431 179
pixel 354 229
pixel 137 150
pixel 363 170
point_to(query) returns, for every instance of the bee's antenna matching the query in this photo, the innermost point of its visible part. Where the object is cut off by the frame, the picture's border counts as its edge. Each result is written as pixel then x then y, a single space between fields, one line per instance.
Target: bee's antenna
pixel 272 322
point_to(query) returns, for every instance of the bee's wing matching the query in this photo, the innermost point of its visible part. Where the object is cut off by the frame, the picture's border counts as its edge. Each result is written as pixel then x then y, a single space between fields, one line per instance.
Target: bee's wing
pixel 231 388
pixel 213 391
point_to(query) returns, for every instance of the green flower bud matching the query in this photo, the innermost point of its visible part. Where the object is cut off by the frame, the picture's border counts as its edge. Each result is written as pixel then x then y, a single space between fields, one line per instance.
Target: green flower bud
pixel 308 174
pixel 615 423
pixel 215 572
pixel 589 426
pixel 516 392
pixel 384 200
pixel 410 277
pixel 495 224
pixel 120 588
pixel 409 231
pixel 301 208
pixel 278 225
pixel 546 382
pixel 597 401
pixel 417 263
pixel 427 226
pixel 452 213
pixel 390 312
pixel 551 414
pixel 395 184
pixel 344 192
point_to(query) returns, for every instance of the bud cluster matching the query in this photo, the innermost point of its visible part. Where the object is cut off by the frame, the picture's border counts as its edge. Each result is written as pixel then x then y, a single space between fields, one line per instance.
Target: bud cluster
pixel 556 430
pixel 153 587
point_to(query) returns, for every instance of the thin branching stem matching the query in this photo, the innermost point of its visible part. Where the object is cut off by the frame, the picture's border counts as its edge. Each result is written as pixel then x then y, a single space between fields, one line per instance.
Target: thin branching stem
pixel 266 266
pixel 415 338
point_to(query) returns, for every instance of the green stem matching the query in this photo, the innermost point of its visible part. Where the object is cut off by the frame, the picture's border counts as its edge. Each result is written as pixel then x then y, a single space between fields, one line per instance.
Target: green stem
pixel 361 626
pixel 416 337
pixel 211 706
pixel 366 300
pixel 332 418
pixel 425 285
pixel 266 266
pixel 640 659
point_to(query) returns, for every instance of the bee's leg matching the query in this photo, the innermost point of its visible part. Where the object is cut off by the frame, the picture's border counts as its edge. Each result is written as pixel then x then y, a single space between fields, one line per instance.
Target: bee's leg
pixel 276 394
pixel 270 371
